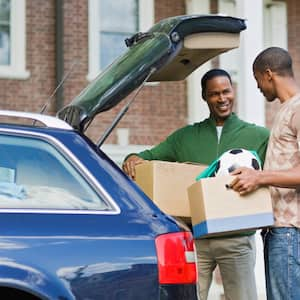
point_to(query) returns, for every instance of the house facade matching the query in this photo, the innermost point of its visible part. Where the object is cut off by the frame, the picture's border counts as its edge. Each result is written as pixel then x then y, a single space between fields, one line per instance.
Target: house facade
pixel 50 50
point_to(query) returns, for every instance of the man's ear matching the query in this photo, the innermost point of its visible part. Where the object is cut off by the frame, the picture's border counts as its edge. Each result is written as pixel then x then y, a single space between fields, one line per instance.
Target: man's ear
pixel 203 96
pixel 269 74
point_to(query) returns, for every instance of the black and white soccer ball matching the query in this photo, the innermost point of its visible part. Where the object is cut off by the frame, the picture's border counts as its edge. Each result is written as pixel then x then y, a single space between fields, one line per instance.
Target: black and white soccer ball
pixel 234 158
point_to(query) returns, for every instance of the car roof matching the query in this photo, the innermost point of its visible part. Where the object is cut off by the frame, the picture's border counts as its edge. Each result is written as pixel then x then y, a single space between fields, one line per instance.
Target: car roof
pixel 10 116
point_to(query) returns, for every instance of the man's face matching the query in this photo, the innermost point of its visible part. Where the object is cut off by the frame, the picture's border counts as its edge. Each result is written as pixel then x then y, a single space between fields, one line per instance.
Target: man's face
pixel 265 84
pixel 219 96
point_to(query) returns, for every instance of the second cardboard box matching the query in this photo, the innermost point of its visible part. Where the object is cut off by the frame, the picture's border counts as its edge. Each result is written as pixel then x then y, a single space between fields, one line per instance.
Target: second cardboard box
pixel 216 209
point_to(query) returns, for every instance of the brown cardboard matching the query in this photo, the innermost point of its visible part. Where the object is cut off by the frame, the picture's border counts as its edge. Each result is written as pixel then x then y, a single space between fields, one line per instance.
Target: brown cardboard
pixel 166 184
pixel 216 209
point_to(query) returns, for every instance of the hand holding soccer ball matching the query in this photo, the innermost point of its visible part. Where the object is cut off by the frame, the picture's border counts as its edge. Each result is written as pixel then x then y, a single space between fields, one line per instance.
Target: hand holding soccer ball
pixel 235 158
pixel 243 164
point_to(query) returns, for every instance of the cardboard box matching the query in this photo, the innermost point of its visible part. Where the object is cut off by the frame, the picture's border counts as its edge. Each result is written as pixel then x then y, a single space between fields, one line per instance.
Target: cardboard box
pixel 166 184
pixel 216 209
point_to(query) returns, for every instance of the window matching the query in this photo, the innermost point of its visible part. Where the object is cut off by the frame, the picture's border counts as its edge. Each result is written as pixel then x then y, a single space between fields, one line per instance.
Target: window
pixel 110 22
pixel 112 31
pixel 229 61
pixel 275 24
pixel 12 39
pixel 197 110
pixel 35 175
pixel 4 32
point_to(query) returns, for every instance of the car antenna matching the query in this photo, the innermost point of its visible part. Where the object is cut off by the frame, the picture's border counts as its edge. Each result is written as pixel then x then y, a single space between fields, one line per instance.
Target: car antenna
pixel 123 110
pixel 57 88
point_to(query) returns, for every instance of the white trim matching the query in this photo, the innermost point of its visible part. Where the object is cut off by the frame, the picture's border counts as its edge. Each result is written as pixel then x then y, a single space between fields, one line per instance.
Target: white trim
pixel 58 211
pixel 49 121
pixel 9 72
pixel 146 14
pixel 146 19
pixel 17 68
pixel 275 24
pixel 197 107
pixel 93 31
pixel 251 104
pixel 229 61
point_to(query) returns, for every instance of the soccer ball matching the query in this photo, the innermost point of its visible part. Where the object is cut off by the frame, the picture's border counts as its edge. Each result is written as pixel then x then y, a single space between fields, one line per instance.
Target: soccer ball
pixel 234 158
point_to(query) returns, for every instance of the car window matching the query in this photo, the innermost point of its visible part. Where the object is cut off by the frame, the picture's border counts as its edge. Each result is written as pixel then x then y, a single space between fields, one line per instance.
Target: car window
pixel 34 174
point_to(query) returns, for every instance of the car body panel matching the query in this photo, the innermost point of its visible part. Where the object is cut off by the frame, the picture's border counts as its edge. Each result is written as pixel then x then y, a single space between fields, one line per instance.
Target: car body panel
pixel 121 259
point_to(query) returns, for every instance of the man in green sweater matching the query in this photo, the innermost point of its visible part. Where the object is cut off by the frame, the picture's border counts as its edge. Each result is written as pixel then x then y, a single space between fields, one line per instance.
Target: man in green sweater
pixel 203 142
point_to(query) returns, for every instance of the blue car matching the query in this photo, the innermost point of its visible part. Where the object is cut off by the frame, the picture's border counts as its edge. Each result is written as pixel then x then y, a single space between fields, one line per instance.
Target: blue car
pixel 73 225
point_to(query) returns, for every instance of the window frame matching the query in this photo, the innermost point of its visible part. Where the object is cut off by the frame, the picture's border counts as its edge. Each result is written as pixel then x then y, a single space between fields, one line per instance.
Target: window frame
pixel 146 20
pixel 229 61
pixel 275 24
pixel 17 67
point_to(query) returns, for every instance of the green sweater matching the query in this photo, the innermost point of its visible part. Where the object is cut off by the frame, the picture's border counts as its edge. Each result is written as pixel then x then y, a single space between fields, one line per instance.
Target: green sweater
pixel 199 142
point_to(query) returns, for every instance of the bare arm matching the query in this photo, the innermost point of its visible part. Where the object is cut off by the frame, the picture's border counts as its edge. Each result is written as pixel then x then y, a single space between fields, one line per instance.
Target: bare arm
pixel 129 165
pixel 247 180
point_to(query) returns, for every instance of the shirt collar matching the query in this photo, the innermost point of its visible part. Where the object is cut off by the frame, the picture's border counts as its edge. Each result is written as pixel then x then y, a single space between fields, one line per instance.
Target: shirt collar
pixel 230 120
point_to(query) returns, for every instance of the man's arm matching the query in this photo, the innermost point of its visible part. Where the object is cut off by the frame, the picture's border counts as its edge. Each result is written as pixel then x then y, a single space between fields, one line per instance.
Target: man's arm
pixel 248 180
pixel 163 151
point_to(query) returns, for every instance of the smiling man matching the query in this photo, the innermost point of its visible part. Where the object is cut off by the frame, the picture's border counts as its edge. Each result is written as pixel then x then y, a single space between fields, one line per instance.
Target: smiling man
pixel 203 142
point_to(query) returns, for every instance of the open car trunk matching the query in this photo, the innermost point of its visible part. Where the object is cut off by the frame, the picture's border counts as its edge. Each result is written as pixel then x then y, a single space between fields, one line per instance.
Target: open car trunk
pixel 170 51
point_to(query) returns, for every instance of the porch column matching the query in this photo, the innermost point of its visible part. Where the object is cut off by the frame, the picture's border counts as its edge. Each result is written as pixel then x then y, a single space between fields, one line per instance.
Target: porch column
pixel 251 103
pixel 197 107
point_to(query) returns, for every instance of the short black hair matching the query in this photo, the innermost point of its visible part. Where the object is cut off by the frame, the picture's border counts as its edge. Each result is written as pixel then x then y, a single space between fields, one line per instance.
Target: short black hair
pixel 210 75
pixel 276 59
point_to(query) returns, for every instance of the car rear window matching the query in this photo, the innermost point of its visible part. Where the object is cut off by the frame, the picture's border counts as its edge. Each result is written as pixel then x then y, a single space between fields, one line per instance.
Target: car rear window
pixel 35 175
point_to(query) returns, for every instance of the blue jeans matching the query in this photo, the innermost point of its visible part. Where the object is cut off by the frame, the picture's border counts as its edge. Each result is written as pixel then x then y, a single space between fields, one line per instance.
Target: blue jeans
pixel 282 263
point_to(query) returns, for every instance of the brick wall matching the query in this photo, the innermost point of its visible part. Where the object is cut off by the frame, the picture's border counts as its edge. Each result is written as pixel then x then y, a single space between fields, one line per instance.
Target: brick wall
pixel 157 111
pixel 75 47
pixel 31 94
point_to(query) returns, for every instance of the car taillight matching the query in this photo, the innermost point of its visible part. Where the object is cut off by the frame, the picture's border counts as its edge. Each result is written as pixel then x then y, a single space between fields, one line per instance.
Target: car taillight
pixel 176 258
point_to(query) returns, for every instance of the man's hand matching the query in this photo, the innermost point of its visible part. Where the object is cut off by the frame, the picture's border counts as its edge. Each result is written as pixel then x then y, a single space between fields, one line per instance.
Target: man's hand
pixel 129 165
pixel 246 180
